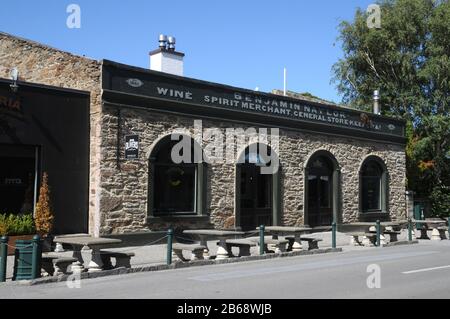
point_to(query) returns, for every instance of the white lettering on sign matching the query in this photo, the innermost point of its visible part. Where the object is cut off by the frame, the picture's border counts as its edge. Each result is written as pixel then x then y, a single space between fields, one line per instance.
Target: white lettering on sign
pixel 132 145
pixel 269 105
pixel 175 93
pixel 9 103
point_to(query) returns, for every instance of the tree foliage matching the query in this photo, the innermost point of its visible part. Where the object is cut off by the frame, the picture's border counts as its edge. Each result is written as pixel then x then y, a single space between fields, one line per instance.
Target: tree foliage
pixel 408 60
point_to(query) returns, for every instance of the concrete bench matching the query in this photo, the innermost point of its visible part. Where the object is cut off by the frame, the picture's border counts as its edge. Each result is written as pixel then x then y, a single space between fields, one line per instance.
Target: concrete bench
pixel 442 230
pixel 243 245
pixel 54 265
pixel 368 239
pixel 196 251
pixel 123 259
pixel 279 245
pixel 313 243
pixel 393 235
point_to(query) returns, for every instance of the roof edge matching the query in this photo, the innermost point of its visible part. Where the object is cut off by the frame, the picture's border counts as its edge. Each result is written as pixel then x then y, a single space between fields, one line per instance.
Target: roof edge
pixel 45 46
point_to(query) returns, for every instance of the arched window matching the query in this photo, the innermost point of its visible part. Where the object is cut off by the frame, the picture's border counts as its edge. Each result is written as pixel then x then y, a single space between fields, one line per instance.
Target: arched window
pixel 176 184
pixel 373 185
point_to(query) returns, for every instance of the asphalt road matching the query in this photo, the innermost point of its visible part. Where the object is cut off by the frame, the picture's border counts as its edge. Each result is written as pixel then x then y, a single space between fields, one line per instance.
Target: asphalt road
pixel 413 271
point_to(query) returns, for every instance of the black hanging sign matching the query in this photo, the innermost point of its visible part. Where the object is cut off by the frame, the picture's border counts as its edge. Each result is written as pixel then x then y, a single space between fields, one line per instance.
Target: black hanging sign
pixel 131 146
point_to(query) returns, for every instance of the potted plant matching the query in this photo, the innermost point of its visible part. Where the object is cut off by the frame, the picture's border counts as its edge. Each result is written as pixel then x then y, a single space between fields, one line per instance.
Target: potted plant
pixel 43 217
pixel 16 227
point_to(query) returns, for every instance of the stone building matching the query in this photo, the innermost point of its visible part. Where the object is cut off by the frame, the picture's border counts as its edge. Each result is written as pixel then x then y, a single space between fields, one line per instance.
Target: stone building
pixel 171 151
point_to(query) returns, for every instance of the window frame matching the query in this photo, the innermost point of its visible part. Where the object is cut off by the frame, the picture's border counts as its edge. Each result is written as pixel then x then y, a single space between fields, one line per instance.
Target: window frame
pixel 200 182
pixel 384 187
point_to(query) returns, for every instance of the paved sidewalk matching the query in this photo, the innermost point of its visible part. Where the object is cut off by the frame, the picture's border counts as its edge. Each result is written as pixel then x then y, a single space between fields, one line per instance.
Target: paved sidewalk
pixel 155 254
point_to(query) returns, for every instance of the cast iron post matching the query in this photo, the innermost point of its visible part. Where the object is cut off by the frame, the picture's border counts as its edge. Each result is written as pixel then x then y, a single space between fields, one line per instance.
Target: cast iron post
pixel 409 229
pixel 333 235
pixel 36 257
pixel 261 240
pixel 448 227
pixel 378 233
pixel 3 257
pixel 169 245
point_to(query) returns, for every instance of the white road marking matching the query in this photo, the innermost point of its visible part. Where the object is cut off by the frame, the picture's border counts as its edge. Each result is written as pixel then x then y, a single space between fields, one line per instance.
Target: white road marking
pixel 243 272
pixel 425 269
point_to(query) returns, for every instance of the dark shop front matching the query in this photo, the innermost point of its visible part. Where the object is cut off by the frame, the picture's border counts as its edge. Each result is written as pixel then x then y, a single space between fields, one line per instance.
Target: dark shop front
pixel 45 129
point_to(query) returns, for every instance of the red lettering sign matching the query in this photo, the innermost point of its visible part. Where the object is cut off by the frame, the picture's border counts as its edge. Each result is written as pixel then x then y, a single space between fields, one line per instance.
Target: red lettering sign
pixel 10 103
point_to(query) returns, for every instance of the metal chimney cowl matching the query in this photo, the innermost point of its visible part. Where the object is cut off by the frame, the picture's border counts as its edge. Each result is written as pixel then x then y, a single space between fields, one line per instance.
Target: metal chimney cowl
pixel 376 102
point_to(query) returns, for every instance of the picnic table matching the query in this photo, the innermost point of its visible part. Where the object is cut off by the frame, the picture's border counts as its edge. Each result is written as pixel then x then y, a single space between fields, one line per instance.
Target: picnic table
pixel 212 234
pixel 436 232
pixel 369 239
pixel 288 230
pixel 59 247
pixel 94 243
pixel 383 224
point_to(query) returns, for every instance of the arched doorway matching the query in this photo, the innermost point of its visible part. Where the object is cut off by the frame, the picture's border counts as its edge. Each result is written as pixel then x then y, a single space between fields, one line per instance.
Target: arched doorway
pixel 322 190
pixel 257 194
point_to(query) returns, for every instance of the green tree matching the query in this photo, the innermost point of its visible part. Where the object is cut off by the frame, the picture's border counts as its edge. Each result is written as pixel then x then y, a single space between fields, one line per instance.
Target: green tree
pixel 407 59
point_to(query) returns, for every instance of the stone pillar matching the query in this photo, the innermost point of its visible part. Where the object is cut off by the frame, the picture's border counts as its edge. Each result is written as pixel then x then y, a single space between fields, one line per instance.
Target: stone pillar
pixel 409 204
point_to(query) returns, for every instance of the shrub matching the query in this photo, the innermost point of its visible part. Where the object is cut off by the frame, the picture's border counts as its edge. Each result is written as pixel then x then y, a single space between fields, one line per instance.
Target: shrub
pixel 13 225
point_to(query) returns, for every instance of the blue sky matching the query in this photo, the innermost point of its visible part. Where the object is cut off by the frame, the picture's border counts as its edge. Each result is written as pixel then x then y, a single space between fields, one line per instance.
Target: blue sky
pixel 239 43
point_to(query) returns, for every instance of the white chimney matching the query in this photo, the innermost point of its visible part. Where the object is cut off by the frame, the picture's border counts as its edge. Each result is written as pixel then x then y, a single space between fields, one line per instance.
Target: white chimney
pixel 165 58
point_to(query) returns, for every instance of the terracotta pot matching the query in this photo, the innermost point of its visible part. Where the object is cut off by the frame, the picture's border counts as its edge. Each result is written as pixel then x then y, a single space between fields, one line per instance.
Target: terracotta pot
pixel 12 242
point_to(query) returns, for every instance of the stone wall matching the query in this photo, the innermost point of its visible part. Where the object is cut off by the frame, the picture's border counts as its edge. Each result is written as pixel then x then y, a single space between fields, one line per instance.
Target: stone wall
pixel 119 188
pixel 41 64
pixel 125 190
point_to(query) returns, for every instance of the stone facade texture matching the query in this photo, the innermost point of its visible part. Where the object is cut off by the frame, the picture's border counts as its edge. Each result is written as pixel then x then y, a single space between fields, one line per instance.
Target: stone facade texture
pixel 38 63
pixel 119 188
pixel 125 183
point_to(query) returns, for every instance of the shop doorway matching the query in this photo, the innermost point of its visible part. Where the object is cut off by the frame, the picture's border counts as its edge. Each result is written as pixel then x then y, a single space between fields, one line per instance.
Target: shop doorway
pixel 257 194
pixel 322 180
pixel 18 179
pixel 256 197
